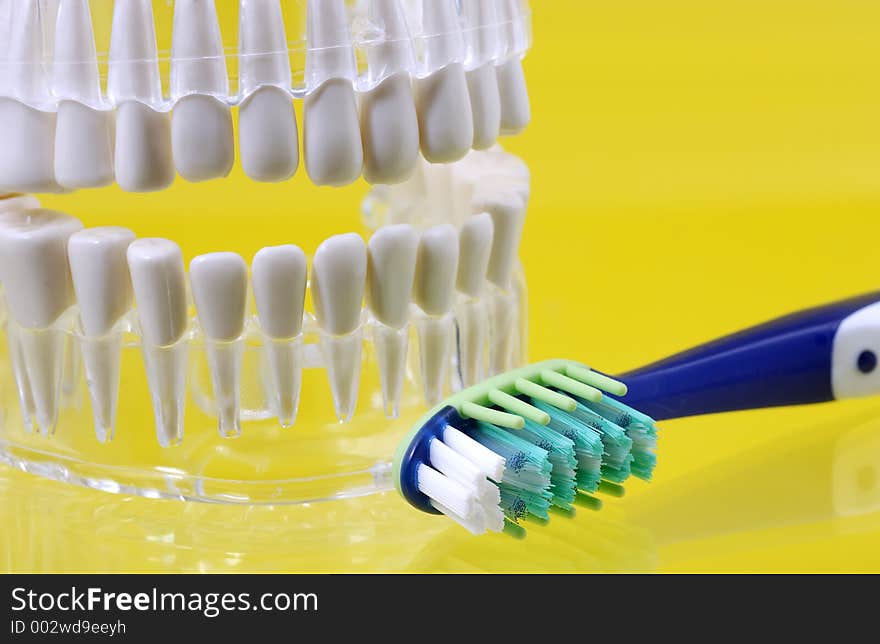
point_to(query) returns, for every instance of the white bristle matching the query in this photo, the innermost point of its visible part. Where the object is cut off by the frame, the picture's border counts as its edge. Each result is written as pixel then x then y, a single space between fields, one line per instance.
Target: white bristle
pixel 491 464
pixel 475 522
pixel 454 465
pixel 494 517
pixel 445 491
pixel 488 493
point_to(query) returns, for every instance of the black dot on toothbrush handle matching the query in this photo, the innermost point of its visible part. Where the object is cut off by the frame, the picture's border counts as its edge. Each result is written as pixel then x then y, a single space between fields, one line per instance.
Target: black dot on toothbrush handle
pixel 867 361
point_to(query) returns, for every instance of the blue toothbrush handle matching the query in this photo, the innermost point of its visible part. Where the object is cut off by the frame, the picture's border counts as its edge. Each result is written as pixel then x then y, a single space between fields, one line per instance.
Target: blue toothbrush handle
pixel 812 356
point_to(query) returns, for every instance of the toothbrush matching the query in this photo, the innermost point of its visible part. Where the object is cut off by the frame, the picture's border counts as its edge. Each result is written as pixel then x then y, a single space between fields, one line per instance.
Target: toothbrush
pixel 507 210
pixel 817 355
pixel 339 273
pixel 446 125
pixel 515 105
pixel 475 242
pixel 36 279
pixel 332 146
pixel 104 296
pixel 280 276
pixel 268 135
pixel 143 154
pixel 436 270
pixel 201 122
pixel 391 268
pixel 157 276
pixel 389 123
pixel 27 128
pixel 521 443
pixel 219 287
pixel 84 134
pixel 482 49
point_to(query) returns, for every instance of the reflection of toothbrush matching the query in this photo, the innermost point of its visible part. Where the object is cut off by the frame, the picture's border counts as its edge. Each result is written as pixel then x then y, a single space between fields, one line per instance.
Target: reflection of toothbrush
pixel 818 355
pixel 520 443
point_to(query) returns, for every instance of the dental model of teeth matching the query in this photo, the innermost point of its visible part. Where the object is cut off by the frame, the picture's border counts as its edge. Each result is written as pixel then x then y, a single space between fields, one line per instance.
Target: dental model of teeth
pixel 440 77
pixel 453 284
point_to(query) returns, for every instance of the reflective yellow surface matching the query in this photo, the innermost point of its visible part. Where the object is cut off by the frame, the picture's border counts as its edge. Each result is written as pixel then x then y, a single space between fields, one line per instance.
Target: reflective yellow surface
pixel 697 167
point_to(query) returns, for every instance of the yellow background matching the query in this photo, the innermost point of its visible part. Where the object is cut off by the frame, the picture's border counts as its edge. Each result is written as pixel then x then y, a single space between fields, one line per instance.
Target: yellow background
pixel 697 167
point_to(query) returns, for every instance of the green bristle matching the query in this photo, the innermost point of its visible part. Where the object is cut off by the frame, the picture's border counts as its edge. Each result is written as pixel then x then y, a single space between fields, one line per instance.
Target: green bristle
pixel 640 428
pixel 526 483
pixel 562 458
pixel 617 458
pixel 587 445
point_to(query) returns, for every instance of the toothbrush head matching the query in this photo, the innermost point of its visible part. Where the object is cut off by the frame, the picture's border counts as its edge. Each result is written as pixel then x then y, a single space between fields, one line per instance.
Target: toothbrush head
pixel 512 447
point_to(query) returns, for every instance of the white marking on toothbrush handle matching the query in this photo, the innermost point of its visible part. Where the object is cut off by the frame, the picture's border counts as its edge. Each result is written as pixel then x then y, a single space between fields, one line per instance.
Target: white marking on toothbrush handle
pixel 858 333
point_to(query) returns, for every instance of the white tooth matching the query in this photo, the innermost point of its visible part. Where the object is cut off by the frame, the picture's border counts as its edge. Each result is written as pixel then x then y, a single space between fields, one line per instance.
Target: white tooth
pixel 36 278
pixel 102 284
pixel 339 273
pixel 475 240
pixel 266 118
pixel 143 153
pixel 85 129
pixel 157 275
pixel 14 203
pixel 332 145
pixel 389 123
pixel 201 123
pixel 279 276
pixel 28 133
pixel 219 288
pixel 481 37
pixel 434 292
pixel 446 124
pixel 515 106
pixel 390 274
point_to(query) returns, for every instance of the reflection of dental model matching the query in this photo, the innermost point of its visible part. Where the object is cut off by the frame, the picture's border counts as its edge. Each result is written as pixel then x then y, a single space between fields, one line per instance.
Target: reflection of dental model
pixel 157 275
pixel 36 279
pixel 101 281
pixel 339 275
pixel 26 130
pixel 144 160
pixel 435 295
pixel 268 135
pixel 201 124
pixel 388 116
pixel 332 146
pixel 390 272
pixel 85 129
pixel 475 241
pixel 482 49
pixel 508 216
pixel 280 274
pixel 446 125
pixel 219 287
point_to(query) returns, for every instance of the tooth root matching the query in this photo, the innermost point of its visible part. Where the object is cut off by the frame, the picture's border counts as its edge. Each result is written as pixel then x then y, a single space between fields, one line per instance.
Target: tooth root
pixel 201 123
pixel 446 124
pixel 338 284
pixel 332 145
pixel 268 136
pixel 143 151
pixel 103 291
pixel 23 385
pixel 475 239
pixel 434 292
pixel 389 123
pixel 84 131
pixel 279 278
pixel 390 275
pixel 28 133
pixel 219 288
pixel 157 275
pixel 36 278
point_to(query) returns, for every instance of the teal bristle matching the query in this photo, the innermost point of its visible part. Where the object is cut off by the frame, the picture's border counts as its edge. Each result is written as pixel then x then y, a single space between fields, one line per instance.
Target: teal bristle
pixel 526 484
pixel 562 457
pixel 587 445
pixel 640 428
pixel 617 458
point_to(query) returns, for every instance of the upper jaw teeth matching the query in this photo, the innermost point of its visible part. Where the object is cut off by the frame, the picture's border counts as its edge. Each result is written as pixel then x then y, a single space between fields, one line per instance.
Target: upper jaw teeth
pixel 61 133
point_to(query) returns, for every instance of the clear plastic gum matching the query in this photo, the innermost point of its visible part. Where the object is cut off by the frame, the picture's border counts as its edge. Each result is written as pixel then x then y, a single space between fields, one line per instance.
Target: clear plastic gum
pixel 366 53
